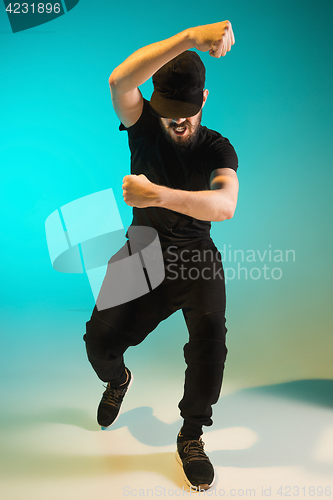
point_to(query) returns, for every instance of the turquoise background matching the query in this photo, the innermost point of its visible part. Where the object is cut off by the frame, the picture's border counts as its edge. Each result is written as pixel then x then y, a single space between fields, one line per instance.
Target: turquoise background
pixel 59 141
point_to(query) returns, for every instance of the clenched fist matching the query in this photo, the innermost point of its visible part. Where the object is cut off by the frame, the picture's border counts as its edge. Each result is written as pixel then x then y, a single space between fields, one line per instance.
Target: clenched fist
pixel 217 38
pixel 139 192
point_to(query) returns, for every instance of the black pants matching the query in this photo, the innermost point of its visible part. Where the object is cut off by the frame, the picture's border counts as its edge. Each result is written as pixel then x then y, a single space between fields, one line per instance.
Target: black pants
pixel 194 282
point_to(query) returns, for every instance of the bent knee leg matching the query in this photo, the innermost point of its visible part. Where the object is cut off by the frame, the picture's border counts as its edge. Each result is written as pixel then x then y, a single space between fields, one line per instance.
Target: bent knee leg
pixel 208 337
pixel 105 347
pixel 206 351
pixel 103 341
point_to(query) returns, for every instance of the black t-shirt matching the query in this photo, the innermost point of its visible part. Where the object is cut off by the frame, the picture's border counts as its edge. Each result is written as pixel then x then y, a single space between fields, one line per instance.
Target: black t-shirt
pixel 167 165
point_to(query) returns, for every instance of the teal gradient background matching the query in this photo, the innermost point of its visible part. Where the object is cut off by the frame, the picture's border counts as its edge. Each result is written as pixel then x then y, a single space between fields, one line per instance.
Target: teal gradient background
pixel 59 141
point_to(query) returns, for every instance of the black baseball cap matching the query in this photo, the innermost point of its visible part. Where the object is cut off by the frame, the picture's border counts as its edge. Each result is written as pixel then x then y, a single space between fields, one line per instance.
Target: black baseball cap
pixel 178 87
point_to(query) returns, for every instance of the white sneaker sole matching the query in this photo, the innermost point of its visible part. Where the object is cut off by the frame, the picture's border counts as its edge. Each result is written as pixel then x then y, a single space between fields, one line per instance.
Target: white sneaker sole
pixel 194 489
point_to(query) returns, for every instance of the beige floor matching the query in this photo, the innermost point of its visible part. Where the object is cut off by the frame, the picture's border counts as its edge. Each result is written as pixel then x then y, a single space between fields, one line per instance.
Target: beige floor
pixel 269 441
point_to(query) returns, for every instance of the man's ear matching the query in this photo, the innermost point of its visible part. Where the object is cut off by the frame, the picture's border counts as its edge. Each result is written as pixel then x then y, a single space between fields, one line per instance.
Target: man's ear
pixel 205 95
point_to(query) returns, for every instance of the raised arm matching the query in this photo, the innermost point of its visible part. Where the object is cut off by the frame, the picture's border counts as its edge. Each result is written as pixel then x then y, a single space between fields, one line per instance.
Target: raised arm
pixel 124 81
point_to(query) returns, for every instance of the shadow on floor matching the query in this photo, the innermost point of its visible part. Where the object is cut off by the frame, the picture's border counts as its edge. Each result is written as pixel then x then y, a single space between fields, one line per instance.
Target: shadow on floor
pixel 318 392
pixel 289 420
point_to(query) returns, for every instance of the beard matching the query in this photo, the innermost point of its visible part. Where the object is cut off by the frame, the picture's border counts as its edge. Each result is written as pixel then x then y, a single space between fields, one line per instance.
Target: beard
pixel 191 133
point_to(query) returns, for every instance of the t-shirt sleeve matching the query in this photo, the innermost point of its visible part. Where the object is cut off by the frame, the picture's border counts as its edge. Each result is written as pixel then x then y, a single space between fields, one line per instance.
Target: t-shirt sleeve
pixel 221 154
pixel 144 125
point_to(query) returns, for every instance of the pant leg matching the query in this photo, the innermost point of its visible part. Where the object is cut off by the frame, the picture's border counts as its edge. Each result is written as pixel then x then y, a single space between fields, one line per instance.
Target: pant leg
pixel 111 331
pixel 105 348
pixel 206 351
pixel 205 356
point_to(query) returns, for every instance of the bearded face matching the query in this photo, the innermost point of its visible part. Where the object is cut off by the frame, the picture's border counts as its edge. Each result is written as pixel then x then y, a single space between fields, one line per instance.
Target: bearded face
pixel 181 132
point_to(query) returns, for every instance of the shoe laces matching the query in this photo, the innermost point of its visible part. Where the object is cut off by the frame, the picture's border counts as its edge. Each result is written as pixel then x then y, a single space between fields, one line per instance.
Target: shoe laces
pixel 114 396
pixel 194 450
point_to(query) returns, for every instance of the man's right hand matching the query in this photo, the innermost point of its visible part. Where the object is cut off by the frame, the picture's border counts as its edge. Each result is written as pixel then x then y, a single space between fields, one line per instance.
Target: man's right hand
pixel 217 38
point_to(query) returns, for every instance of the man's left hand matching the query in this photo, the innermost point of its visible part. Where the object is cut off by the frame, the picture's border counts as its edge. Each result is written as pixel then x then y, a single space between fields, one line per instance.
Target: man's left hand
pixel 139 192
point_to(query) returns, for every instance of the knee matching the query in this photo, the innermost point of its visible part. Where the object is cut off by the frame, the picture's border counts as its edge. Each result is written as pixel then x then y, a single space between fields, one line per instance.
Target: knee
pixel 102 341
pixel 96 331
pixel 207 340
pixel 99 333
pixel 209 326
pixel 205 352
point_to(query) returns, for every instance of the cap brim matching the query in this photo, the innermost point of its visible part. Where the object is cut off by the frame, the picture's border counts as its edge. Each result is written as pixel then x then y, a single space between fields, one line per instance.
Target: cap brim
pixel 171 108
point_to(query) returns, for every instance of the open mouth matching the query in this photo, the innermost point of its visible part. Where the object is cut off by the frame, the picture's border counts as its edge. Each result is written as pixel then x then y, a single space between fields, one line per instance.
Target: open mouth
pixel 180 130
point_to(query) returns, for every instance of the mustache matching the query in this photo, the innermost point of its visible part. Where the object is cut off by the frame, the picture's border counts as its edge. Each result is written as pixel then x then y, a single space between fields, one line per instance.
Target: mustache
pixel 176 125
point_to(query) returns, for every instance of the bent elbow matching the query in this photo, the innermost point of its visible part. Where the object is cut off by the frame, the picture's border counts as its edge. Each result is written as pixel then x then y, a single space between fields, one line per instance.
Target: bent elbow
pixel 230 209
pixel 113 79
pixel 230 213
pixel 226 206
pixel 226 214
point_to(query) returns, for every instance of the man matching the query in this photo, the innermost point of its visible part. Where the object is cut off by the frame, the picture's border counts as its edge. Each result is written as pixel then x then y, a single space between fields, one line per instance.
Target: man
pixel 182 177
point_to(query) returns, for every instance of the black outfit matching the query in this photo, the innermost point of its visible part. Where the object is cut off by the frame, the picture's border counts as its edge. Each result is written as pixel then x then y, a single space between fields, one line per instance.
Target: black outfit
pixel 194 280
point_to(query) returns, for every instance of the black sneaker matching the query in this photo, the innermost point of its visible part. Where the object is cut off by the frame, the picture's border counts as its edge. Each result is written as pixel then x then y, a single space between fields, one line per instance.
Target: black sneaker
pixel 108 409
pixel 198 470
